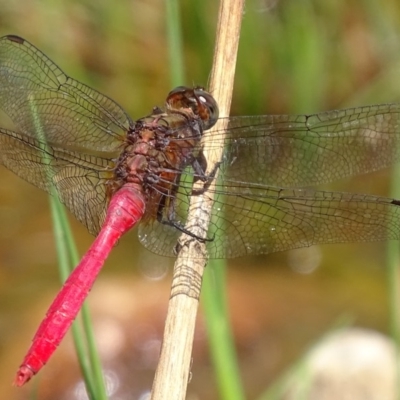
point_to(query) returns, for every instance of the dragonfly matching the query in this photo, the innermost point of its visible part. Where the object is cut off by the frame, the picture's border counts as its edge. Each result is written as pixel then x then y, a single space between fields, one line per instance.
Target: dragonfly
pixel 114 173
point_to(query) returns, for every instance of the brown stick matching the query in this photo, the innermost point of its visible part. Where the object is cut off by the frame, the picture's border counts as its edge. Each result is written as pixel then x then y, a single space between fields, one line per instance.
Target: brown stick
pixel 173 370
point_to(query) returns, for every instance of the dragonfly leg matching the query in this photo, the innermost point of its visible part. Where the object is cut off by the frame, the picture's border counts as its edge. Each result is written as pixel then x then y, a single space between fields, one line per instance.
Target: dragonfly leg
pixel 169 210
pixel 181 228
pixel 199 167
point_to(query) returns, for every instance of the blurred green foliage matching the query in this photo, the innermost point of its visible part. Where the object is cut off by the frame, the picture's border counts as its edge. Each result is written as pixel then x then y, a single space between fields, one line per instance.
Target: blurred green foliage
pixel 295 56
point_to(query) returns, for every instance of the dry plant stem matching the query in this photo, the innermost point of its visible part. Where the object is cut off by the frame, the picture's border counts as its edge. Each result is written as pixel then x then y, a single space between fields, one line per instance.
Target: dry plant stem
pixel 173 371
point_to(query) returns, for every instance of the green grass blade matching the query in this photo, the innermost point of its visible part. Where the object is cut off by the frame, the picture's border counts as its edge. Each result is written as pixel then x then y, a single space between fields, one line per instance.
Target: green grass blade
pixel 91 352
pixel 64 262
pixel 393 279
pixel 219 332
pixel 68 258
pixel 174 38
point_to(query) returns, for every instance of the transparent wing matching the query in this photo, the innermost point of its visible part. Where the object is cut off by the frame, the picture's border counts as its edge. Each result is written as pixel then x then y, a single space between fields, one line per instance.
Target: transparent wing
pixel 255 219
pixel 257 209
pixel 300 150
pixel 33 90
pixel 78 179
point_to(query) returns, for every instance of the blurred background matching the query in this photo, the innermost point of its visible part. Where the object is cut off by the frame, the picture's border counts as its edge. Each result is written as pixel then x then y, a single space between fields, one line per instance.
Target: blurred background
pixel 294 57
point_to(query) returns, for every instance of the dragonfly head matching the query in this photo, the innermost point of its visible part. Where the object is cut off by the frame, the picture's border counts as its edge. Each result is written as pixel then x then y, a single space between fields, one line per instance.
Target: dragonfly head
pixel 198 100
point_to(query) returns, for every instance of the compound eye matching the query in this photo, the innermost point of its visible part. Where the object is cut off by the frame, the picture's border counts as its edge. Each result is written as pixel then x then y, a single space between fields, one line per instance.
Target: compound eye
pixel 178 90
pixel 198 100
pixel 180 97
pixel 208 108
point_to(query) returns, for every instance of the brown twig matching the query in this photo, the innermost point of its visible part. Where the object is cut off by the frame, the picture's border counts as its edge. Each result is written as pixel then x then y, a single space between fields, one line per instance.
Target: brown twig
pixel 172 373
